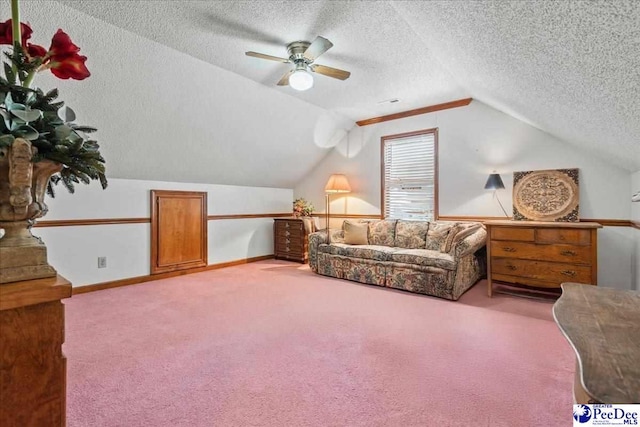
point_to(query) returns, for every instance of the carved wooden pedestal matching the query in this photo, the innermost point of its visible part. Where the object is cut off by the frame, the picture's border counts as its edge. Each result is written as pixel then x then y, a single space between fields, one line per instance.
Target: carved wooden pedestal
pixel 33 370
pixel 22 190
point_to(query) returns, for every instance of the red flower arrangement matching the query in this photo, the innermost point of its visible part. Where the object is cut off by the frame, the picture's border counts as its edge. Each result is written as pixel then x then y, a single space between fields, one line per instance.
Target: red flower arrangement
pixel 62 57
pixel 31 114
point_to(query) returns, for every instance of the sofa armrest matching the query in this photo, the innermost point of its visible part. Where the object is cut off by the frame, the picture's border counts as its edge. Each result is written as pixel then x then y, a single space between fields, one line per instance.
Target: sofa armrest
pixel 469 244
pixel 318 238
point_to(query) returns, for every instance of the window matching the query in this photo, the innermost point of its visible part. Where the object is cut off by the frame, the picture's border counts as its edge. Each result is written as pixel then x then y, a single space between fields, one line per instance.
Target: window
pixel 410 175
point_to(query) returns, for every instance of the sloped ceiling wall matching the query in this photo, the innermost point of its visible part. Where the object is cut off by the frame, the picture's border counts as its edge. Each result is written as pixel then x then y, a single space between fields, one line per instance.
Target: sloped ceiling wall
pixel 570 68
pixel 175 99
pixel 165 115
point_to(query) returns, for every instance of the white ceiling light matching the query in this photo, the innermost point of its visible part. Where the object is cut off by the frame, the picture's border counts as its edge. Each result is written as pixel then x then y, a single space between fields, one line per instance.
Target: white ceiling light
pixel 302 55
pixel 301 79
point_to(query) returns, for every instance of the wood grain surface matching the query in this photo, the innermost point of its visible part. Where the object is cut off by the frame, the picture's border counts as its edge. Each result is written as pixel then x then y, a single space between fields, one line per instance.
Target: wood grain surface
pixel 32 292
pixel 415 112
pixel 178 230
pixel 541 254
pixel 603 327
pixel 32 366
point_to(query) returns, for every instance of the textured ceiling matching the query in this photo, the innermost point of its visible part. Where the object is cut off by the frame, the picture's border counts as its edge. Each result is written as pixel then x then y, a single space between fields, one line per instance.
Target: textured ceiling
pixel 570 68
pixel 370 39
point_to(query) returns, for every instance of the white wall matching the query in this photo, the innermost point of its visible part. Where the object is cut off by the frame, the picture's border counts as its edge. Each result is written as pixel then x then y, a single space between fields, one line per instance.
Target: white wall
pixel 474 141
pixel 635 216
pixel 74 250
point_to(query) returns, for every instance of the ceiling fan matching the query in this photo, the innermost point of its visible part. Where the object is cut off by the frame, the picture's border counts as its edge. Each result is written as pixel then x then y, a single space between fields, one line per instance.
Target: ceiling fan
pixel 302 55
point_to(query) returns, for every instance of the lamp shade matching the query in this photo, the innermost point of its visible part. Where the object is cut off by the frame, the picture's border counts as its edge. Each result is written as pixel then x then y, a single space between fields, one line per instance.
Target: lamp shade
pixel 301 79
pixel 337 183
pixel 494 182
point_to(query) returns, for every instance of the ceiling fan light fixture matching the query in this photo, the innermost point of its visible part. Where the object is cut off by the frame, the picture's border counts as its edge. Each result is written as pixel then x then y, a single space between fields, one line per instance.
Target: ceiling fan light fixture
pixel 302 55
pixel 301 79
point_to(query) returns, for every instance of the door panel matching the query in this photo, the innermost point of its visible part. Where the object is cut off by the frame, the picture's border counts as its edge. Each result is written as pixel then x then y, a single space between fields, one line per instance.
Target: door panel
pixel 178 230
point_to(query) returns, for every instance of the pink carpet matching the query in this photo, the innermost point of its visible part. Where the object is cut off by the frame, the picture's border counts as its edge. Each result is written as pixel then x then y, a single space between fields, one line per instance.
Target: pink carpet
pixel 272 344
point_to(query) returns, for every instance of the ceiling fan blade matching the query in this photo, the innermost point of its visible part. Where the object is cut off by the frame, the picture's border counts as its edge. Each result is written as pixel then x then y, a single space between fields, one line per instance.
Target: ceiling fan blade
pixel 319 46
pixel 330 72
pixel 284 81
pixel 263 56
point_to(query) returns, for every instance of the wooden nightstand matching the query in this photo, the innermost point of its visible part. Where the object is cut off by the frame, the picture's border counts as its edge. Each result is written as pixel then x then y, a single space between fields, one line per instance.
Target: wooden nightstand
pixel 542 254
pixel 290 236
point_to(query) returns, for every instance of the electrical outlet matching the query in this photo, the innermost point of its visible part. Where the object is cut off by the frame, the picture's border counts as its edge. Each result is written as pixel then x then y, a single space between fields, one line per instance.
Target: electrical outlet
pixel 102 262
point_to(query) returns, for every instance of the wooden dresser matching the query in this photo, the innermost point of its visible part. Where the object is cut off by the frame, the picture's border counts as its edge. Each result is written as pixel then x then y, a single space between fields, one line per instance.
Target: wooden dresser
pixel 291 238
pixel 541 254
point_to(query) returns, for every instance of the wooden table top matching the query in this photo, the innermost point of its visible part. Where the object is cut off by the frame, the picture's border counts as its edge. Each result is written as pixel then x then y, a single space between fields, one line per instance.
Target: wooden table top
pixel 603 327
pixel 32 292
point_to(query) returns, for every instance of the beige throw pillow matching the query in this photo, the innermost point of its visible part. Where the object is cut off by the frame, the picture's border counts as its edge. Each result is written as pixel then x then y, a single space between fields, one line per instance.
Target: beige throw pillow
pixel 355 233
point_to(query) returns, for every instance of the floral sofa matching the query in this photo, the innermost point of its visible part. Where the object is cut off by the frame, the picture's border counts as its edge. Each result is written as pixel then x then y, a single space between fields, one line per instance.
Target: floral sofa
pixel 438 258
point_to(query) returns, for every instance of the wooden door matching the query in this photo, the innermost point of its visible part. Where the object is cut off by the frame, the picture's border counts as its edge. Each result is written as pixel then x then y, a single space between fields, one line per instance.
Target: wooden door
pixel 178 230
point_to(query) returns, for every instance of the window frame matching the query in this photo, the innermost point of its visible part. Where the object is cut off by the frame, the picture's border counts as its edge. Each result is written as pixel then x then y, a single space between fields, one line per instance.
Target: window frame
pixel 436 169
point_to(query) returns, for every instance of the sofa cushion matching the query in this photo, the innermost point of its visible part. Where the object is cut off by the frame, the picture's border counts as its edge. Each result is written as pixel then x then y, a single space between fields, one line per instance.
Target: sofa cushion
pixel 355 233
pixel 356 269
pixel 438 234
pixel 372 252
pixel 383 232
pixel 460 232
pixel 411 234
pixel 425 258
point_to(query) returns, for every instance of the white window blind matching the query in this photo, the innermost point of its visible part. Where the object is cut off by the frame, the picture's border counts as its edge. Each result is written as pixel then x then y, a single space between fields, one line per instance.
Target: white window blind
pixel 410 176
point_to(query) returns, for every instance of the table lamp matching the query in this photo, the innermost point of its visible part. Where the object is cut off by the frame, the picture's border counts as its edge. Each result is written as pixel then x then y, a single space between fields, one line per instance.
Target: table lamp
pixel 494 182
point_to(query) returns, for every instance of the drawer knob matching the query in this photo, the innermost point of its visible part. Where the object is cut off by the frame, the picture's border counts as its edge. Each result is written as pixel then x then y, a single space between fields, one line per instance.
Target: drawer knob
pixel 508 249
pixel 287 249
pixel 511 267
pixel 286 233
pixel 569 273
pixel 568 253
pixel 286 225
pixel 288 241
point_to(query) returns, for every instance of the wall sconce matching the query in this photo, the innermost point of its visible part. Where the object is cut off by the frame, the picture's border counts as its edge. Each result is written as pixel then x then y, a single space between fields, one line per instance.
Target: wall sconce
pixel 338 183
pixel 494 182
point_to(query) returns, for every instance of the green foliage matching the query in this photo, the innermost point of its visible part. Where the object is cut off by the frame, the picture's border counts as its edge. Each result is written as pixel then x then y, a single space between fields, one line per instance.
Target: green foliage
pixel 37 116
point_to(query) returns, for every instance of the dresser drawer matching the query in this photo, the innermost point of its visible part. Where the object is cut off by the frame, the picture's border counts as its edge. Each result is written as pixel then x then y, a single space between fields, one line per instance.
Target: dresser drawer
pixel 282 226
pixel 291 233
pixel 523 234
pixel 286 242
pixel 559 253
pixel 541 270
pixel 289 253
pixel 563 235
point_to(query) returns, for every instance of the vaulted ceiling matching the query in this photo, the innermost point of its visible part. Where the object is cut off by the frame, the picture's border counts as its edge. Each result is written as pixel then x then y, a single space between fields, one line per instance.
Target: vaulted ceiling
pixel 570 68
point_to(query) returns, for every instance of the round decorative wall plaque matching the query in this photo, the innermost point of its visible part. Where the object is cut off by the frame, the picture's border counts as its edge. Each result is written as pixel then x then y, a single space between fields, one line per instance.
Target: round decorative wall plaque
pixel 547 195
